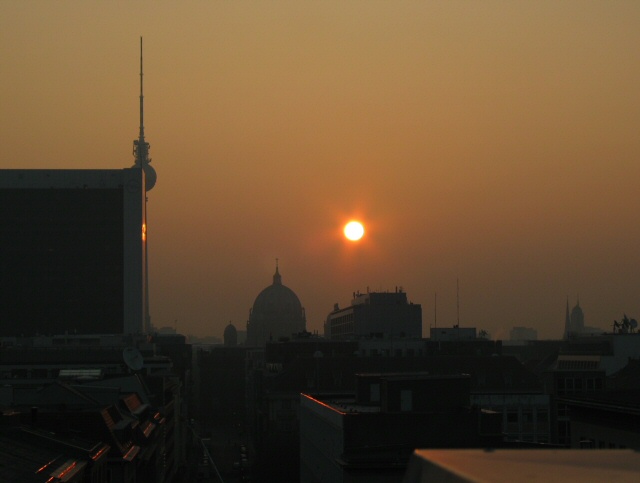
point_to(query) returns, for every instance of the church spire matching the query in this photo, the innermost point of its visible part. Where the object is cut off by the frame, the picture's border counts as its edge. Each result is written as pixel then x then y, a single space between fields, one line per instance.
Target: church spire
pixel 277 278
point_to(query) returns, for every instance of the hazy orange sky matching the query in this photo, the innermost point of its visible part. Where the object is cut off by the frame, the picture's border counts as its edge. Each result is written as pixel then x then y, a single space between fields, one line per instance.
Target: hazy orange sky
pixel 493 142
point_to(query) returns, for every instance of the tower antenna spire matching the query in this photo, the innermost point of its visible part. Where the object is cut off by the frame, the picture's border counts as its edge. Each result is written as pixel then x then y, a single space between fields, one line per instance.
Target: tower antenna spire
pixel 140 146
pixel 142 160
pixel 141 136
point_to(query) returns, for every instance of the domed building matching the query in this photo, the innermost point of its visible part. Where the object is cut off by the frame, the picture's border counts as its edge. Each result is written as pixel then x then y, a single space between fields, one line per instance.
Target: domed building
pixel 276 313
pixel 230 336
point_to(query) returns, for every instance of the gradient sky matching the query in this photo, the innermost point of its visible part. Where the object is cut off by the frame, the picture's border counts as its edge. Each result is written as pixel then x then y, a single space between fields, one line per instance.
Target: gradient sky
pixel 496 143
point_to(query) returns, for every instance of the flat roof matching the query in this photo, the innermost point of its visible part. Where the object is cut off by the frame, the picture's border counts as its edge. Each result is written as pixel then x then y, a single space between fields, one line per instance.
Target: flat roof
pixel 538 465
pixel 67 178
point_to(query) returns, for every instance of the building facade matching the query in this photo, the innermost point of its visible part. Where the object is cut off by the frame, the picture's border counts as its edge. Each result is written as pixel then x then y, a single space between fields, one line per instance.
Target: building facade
pixel 72 252
pixel 375 314
pixel 370 437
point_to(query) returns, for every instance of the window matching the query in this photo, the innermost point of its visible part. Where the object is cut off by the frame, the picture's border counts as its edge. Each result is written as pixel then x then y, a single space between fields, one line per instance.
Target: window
pixel 578 385
pixel 568 384
pixel 406 400
pixel 513 424
pixel 374 392
pixel 527 420
pixel 543 416
pixel 563 411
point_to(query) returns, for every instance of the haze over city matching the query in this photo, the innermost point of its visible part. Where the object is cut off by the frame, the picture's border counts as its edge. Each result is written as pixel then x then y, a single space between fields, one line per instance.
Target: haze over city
pixel 495 143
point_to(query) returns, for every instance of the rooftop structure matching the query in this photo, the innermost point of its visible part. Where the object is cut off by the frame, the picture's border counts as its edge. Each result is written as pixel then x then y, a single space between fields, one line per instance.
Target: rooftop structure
pixel 454 333
pixel 375 314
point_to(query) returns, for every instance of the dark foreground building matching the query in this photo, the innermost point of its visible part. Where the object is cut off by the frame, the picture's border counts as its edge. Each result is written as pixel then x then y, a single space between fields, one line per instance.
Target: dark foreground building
pixel 88 397
pixel 72 252
pixel 370 438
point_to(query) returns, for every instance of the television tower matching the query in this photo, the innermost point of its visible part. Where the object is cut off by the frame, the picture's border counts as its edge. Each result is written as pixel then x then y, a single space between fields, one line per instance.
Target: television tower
pixel 140 146
pixel 141 155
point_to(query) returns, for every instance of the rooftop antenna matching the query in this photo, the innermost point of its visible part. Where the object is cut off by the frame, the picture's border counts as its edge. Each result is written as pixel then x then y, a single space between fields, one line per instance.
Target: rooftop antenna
pixel 140 146
pixel 435 309
pixel 458 300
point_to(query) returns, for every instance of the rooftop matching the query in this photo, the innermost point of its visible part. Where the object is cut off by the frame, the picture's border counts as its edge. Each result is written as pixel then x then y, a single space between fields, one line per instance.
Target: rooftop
pixel 548 466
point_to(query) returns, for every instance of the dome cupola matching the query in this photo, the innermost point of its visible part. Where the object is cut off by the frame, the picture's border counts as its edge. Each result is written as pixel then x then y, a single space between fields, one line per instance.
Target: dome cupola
pixel 276 313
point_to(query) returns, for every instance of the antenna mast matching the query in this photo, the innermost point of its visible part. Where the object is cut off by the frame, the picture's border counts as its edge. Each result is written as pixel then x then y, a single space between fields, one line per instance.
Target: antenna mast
pixel 458 300
pixel 141 138
pixel 140 146
pixel 141 155
pixel 435 309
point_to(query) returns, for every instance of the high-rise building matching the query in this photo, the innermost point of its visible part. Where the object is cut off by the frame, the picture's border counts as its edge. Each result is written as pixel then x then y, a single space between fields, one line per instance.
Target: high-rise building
pixel 73 248
pixel 375 314
pixel 72 252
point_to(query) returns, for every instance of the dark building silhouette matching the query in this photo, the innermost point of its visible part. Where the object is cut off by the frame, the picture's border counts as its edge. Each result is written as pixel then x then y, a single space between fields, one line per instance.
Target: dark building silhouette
pixel 30 454
pixel 523 333
pixel 230 336
pixel 574 321
pixel 72 252
pixel 85 388
pixel 319 367
pixel 384 314
pixel 221 398
pixel 370 437
pixel 276 313
pixel 604 419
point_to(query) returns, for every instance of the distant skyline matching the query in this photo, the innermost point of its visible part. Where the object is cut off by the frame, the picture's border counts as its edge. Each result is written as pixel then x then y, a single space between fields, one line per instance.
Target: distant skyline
pixel 495 143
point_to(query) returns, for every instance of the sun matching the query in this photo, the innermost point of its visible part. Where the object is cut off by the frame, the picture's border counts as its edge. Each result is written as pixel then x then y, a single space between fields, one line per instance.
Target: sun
pixel 354 230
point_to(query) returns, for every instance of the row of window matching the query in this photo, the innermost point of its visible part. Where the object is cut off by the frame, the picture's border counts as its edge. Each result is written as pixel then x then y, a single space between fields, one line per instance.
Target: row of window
pixel 571 385
pixel 586 443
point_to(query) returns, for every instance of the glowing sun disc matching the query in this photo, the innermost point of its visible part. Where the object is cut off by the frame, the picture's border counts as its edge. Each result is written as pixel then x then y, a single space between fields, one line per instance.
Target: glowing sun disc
pixel 354 230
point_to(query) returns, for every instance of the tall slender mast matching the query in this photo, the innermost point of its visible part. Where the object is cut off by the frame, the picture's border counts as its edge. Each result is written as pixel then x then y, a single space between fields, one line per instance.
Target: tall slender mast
pixel 458 300
pixel 142 160
pixel 141 136
pixel 140 146
pixel 435 309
